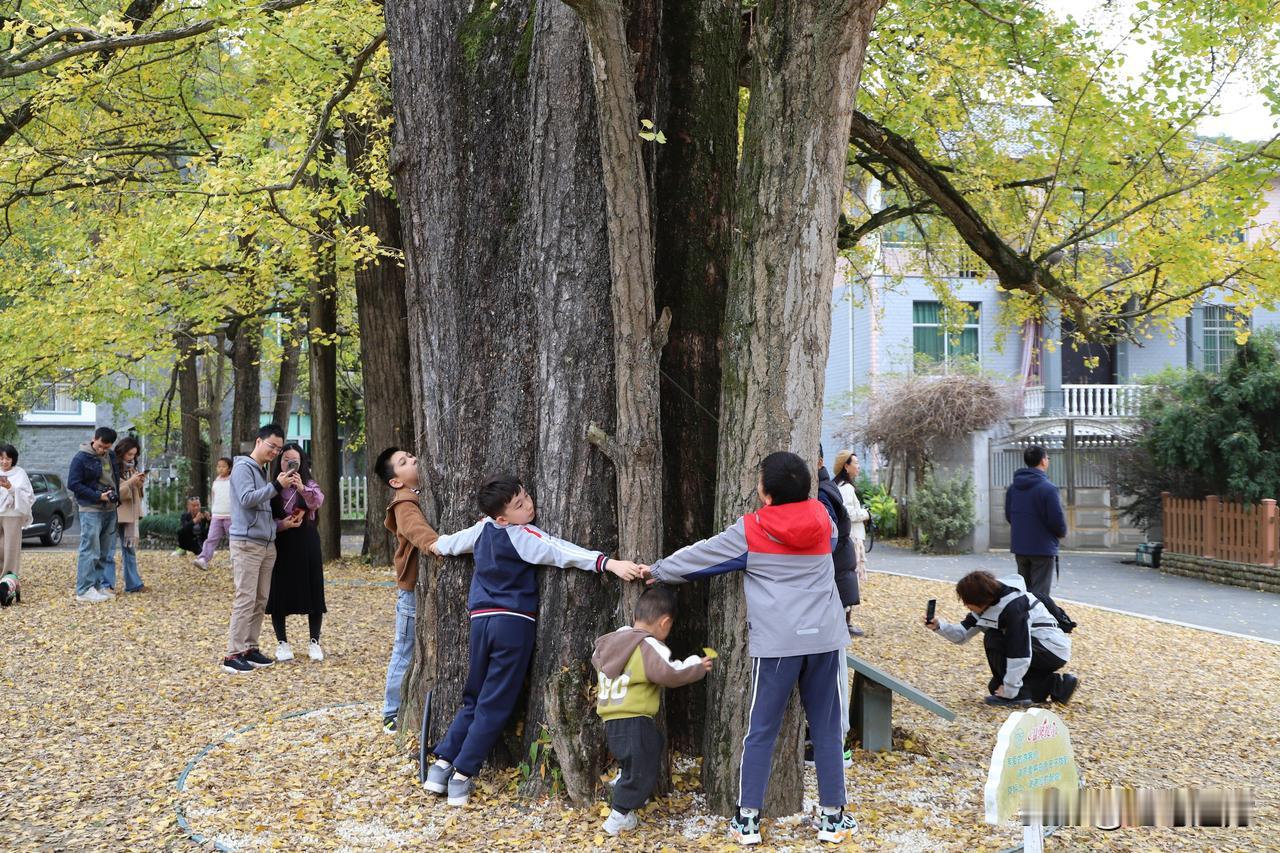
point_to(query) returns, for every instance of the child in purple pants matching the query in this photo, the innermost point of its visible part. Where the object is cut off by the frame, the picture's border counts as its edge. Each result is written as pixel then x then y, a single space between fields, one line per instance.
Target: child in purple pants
pixel 220 514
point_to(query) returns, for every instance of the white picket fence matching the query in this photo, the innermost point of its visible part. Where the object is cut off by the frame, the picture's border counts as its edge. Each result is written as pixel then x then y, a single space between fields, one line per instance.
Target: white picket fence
pixel 353 492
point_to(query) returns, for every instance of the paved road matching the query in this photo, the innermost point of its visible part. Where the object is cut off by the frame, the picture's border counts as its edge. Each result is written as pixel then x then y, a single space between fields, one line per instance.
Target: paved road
pixel 1101 579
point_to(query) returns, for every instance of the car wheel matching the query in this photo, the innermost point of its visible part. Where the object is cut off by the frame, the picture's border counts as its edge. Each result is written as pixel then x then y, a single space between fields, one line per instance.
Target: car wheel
pixel 54 536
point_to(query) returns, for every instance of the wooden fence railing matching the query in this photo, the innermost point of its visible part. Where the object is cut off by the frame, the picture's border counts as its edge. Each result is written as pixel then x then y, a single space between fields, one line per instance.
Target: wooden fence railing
pixel 1221 530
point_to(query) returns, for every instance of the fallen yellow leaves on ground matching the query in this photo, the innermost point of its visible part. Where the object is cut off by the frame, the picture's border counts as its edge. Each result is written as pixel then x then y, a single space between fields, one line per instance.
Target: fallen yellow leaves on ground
pixel 104 705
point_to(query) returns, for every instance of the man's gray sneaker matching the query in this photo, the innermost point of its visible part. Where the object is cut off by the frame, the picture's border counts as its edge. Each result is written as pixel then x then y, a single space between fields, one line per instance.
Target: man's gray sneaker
pixel 460 790
pixel 438 778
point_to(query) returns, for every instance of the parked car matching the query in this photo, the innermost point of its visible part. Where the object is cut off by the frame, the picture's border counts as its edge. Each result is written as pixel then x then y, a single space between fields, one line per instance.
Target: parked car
pixel 53 511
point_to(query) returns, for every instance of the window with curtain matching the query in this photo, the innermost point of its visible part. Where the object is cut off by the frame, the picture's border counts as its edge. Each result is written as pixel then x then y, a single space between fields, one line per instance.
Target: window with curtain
pixel 56 398
pixel 1219 336
pixel 930 336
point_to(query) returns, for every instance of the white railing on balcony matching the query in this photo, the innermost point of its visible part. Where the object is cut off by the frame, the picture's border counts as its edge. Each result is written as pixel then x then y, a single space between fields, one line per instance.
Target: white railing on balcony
pixel 1087 401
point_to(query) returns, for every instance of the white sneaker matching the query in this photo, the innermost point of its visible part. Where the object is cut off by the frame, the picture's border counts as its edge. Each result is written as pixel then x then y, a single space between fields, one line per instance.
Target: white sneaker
pixel 177 552
pixel 315 652
pixel 106 593
pixel 199 563
pixel 92 597
pixel 616 823
pixel 284 652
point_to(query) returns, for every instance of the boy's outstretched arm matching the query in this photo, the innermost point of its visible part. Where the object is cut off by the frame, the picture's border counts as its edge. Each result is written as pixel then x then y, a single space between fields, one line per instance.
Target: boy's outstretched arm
pixel 540 548
pixel 413 526
pixel 461 542
pixel 661 670
pixel 724 552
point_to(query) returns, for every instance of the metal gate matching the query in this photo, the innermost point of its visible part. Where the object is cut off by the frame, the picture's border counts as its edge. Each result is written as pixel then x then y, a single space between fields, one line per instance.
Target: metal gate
pixel 1083 455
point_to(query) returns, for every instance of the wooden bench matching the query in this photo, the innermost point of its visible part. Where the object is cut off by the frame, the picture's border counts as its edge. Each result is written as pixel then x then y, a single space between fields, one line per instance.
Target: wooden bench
pixel 871 704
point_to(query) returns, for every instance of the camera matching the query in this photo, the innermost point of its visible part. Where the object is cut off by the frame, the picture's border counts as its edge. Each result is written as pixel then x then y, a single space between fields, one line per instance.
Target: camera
pixel 112 496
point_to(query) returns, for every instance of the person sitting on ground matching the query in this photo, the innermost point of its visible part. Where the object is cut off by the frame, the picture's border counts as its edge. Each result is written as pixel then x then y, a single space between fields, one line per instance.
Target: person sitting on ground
pixel 399 470
pixel 503 605
pixel 632 665
pixel 194 527
pixel 1025 647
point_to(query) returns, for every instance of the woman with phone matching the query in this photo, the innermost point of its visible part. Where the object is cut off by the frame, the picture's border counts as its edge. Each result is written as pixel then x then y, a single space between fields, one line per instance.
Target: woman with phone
pixel 16 500
pixel 129 513
pixel 297 581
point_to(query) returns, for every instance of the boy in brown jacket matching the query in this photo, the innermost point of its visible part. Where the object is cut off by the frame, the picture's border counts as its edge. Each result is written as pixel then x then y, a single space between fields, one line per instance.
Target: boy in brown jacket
pixel 399 470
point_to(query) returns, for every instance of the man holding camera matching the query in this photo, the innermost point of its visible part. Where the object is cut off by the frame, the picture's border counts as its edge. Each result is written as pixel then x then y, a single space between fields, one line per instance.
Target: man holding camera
pixel 94 479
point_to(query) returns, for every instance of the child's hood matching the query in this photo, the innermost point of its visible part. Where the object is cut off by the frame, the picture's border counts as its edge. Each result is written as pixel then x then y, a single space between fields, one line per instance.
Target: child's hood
pixel 614 650
pixel 803 525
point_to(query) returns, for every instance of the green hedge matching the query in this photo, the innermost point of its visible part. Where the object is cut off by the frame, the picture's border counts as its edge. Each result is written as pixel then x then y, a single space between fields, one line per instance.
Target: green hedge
pixel 162 526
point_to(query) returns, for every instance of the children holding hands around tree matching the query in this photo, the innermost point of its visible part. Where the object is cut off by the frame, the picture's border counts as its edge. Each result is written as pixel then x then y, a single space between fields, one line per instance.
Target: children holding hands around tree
pixel 503 603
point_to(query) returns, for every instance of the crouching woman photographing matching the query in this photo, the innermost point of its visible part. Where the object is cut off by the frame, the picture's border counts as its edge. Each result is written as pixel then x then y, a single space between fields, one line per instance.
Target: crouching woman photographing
pixel 1025 647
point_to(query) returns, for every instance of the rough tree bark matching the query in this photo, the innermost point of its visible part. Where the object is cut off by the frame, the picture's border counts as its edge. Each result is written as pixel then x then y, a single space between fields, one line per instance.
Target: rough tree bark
pixel 384 347
pixel 287 378
pixel 189 394
pixel 692 204
pixel 497 173
pixel 806 60
pixel 322 358
pixel 636 446
pixel 246 404
pixel 215 389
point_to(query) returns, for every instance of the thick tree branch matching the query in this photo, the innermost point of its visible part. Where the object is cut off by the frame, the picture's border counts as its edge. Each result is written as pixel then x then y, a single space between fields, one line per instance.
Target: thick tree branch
pixel 1015 271
pixel 94 42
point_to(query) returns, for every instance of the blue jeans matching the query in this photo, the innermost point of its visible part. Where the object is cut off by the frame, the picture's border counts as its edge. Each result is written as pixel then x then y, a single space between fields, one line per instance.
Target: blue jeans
pixel 129 556
pixel 401 652
pixel 97 551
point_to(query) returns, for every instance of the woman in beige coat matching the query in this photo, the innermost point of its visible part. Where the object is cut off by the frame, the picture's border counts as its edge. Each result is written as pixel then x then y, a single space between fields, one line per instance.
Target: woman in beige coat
pixel 128 514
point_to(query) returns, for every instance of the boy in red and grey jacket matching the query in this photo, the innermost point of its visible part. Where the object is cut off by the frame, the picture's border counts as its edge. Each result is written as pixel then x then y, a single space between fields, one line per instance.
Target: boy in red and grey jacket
pixel 796 631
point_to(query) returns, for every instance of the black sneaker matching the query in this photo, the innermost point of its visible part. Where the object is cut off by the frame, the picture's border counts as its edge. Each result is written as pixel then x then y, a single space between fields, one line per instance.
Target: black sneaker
pixel 744 830
pixel 256 659
pixel 1001 702
pixel 808 754
pixel 235 665
pixel 389 724
pixel 1064 688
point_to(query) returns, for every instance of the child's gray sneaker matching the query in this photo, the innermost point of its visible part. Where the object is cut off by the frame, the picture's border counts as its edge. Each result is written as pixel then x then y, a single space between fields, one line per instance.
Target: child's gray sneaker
pixel 836 828
pixel 460 790
pixel 438 778
pixel 617 822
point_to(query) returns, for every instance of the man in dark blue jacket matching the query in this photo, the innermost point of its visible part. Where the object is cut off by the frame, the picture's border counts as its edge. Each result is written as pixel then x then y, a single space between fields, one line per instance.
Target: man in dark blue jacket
pixel 94 479
pixel 1036 521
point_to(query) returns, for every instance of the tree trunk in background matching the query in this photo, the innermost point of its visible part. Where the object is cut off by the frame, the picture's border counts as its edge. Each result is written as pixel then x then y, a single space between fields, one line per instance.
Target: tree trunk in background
pixel 497 171
pixel 692 206
pixel 189 394
pixel 246 406
pixel 384 349
pixel 215 389
pixel 287 378
pixel 806 59
pixel 322 357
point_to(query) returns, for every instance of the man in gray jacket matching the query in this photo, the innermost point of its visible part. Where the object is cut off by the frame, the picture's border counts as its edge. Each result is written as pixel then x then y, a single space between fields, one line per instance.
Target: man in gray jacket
pixel 253 547
pixel 796 633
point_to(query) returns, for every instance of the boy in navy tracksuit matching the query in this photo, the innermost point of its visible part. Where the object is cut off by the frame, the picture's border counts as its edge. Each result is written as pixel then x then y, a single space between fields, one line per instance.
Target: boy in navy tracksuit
pixel 796 628
pixel 504 606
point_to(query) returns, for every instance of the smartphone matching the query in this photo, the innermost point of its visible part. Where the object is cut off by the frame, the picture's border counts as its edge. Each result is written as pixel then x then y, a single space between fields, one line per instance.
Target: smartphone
pixel 929 609
pixel 291 465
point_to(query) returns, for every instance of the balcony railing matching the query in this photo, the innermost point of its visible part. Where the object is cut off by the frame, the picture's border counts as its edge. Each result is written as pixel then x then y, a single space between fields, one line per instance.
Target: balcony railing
pixel 1087 401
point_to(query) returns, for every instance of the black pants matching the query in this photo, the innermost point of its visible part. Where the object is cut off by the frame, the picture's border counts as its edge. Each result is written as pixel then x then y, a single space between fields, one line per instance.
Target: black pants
pixel 638 746
pixel 1041 676
pixel 1037 571
pixel 314 620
